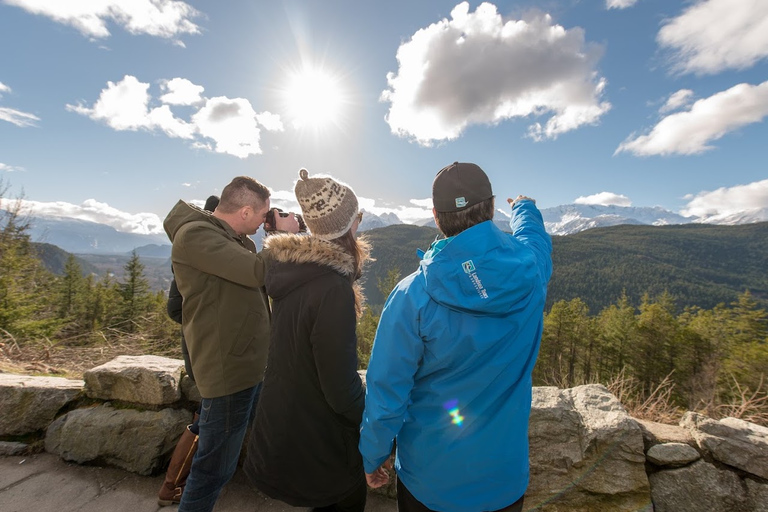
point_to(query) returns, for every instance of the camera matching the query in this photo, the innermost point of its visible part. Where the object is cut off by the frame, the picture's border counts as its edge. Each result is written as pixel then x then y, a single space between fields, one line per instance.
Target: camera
pixel 270 220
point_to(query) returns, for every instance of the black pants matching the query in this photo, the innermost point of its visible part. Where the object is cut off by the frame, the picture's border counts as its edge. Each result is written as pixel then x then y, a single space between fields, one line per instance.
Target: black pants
pixel 355 502
pixel 407 503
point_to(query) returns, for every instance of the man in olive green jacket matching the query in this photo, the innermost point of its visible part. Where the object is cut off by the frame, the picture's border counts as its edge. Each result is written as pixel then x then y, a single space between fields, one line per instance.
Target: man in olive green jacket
pixel 225 317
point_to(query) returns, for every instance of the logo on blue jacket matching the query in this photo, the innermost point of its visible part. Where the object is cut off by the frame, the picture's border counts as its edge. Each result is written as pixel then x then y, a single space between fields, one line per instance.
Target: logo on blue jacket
pixel 468 266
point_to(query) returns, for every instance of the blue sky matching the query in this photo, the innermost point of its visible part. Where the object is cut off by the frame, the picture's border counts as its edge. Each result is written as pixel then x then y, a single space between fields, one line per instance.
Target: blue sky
pixel 113 110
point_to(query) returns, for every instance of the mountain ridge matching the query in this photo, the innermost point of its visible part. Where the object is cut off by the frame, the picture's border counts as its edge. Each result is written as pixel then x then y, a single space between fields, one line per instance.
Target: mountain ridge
pixel 87 237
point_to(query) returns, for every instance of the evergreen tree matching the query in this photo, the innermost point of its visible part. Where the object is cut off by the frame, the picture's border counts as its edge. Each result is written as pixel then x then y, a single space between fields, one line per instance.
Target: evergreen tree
pixel 567 340
pixel 654 354
pixel 135 294
pixel 369 321
pixel 102 309
pixel 25 305
pixel 617 327
pixel 71 290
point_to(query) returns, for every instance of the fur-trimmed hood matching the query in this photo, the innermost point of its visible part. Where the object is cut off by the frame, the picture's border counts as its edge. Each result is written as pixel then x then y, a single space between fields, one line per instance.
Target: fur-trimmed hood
pixel 296 260
pixel 287 248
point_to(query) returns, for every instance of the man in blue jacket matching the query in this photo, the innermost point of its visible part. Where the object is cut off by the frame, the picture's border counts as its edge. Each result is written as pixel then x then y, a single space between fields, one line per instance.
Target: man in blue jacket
pixel 450 371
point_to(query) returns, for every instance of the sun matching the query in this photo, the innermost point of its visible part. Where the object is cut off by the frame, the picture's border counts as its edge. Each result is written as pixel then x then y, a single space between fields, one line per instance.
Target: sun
pixel 314 98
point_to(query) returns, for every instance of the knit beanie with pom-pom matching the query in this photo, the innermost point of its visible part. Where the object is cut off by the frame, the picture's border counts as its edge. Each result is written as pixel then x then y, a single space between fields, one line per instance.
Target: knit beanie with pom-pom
pixel 329 207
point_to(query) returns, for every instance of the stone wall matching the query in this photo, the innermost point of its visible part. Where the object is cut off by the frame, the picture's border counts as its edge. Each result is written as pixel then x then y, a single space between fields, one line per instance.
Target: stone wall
pixel 586 453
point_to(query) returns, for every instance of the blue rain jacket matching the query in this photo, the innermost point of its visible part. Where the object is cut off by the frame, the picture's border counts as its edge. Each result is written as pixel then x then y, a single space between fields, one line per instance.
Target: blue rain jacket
pixel 450 371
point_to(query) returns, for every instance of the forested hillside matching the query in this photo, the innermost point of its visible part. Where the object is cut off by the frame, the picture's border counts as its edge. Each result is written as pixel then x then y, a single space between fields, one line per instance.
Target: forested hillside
pixel 55 259
pixel 699 265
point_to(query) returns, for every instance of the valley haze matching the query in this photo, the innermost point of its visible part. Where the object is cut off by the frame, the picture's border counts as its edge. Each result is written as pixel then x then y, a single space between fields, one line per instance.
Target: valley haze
pixel 88 237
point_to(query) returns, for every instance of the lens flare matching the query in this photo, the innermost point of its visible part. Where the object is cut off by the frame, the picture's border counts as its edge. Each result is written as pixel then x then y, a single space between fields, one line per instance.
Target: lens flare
pixel 452 406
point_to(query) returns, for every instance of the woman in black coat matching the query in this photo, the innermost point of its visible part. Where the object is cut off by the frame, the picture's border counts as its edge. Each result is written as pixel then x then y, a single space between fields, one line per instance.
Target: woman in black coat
pixel 303 443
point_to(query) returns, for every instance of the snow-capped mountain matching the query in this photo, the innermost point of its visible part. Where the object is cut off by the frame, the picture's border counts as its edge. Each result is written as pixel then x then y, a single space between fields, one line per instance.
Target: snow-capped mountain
pixel 572 218
pixel 373 221
pixel 745 217
pixel 86 237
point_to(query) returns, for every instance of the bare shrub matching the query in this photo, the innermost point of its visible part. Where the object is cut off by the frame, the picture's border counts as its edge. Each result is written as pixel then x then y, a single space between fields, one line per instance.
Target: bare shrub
pixel 743 403
pixel 658 405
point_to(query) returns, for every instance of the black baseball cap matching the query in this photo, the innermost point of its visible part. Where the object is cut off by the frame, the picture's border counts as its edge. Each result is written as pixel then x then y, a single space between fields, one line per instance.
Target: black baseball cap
pixel 459 186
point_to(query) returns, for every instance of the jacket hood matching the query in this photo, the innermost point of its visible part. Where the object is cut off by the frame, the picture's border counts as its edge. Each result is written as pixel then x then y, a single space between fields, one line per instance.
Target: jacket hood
pixel 298 259
pixel 482 270
pixel 183 213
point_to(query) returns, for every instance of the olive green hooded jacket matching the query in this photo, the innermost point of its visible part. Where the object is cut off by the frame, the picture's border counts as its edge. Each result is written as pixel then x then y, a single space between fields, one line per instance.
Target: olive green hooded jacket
pixel 225 313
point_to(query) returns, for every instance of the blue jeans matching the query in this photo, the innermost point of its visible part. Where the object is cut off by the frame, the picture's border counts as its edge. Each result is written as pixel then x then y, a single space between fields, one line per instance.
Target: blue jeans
pixel 223 422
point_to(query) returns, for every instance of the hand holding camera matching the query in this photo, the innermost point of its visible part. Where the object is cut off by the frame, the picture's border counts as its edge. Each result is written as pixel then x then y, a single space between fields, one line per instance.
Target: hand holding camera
pixel 284 221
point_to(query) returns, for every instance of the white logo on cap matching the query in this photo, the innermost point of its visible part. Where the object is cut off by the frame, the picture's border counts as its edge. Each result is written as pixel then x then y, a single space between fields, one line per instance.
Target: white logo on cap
pixel 461 202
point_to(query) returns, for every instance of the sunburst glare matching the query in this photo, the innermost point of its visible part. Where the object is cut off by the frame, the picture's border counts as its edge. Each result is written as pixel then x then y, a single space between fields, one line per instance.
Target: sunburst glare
pixel 314 98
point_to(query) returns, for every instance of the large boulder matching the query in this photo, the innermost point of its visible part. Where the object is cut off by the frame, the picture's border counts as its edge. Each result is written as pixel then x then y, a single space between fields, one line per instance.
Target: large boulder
pixel 149 380
pixel 732 441
pixel 29 404
pixel 700 486
pixel 586 453
pixel 137 441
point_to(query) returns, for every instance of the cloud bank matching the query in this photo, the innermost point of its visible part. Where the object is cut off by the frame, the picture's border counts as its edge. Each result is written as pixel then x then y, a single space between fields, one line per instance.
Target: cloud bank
pixel 728 201
pixel 167 19
pixel 692 132
pixel 714 35
pixel 95 211
pixel 477 68
pixel 604 199
pixel 220 124
pixel 10 168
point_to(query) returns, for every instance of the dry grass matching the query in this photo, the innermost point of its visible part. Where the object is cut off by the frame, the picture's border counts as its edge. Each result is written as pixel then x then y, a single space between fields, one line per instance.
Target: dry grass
pixel 71 360
pixel 745 404
pixel 655 406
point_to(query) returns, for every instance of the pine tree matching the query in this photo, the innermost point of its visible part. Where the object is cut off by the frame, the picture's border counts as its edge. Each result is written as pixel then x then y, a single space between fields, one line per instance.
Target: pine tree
pixel 135 294
pixel 25 305
pixel 71 290
pixel 617 328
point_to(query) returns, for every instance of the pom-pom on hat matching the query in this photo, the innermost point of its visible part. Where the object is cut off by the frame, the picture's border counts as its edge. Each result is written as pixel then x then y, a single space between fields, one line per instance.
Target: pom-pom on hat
pixel 459 186
pixel 328 206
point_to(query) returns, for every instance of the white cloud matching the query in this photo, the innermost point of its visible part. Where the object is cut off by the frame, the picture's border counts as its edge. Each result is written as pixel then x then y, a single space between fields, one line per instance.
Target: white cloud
pixel 677 100
pixel 161 18
pixel 181 92
pixel 713 35
pixel 186 184
pixel 270 121
pixel 95 211
pixel 10 168
pixel 605 199
pixel 122 105
pixel 4 88
pixel 231 124
pixel 17 117
pixel 423 203
pixel 692 131
pixel 477 68
pixel 619 4
pixel 728 201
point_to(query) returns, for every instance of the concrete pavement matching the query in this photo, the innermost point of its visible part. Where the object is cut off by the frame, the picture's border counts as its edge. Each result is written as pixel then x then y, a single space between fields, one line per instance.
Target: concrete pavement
pixel 45 483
